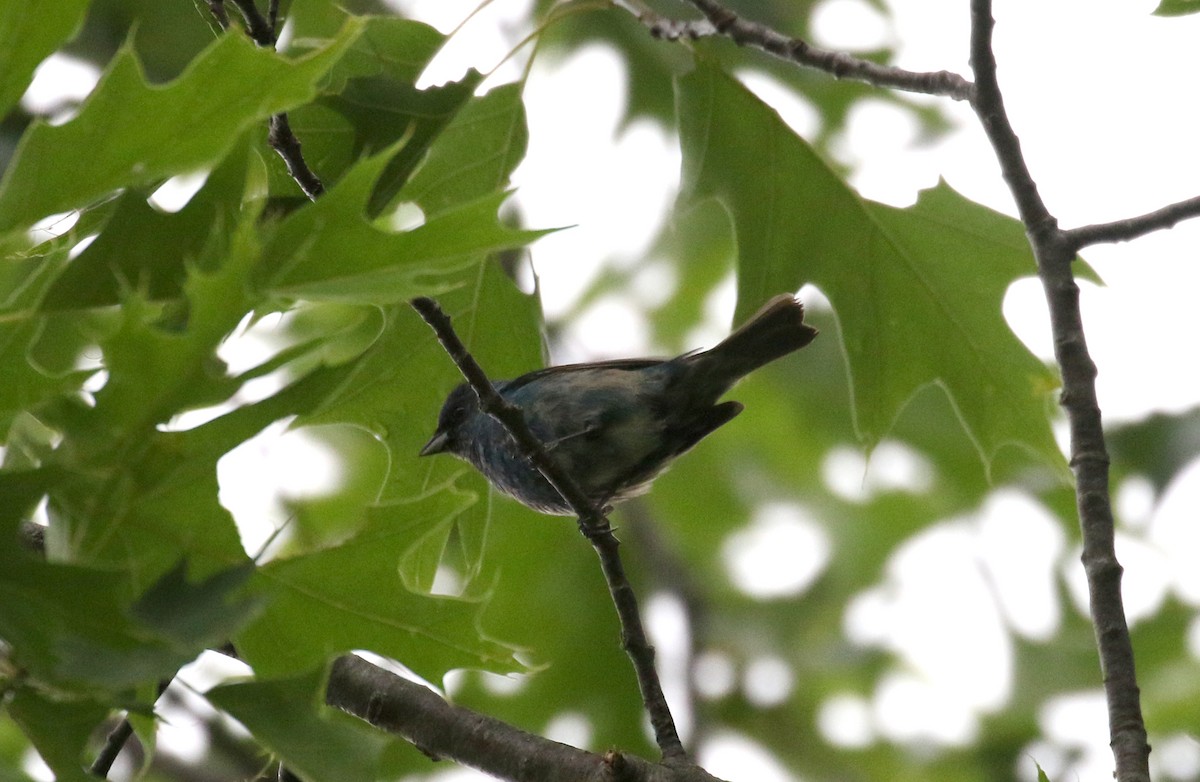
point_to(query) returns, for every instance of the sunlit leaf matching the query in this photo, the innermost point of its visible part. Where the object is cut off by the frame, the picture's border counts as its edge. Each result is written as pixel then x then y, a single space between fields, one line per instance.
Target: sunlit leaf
pixel 352 597
pixel 148 133
pixel 27 36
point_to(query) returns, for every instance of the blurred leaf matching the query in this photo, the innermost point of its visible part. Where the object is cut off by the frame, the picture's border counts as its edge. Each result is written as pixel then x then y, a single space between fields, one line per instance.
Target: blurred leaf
pixel 900 280
pixel 27 36
pixel 289 718
pixel 150 132
pixel 133 496
pixel 70 627
pixel 551 599
pixel 474 155
pixel 1157 447
pixel 147 251
pixel 398 49
pixel 370 102
pixel 59 728
pixel 26 385
pixel 381 112
pixel 351 597
pixel 352 260
pixel 200 615
pixel 1176 7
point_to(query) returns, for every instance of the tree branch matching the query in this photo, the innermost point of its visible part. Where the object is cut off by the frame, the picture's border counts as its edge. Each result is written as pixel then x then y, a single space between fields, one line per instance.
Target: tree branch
pixel 1134 227
pixel 592 523
pixel 440 729
pixel 113 744
pixel 1054 251
pixel 262 30
pixel 721 21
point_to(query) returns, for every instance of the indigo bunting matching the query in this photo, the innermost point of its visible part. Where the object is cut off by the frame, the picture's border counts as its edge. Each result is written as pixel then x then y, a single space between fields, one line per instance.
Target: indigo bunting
pixel 615 425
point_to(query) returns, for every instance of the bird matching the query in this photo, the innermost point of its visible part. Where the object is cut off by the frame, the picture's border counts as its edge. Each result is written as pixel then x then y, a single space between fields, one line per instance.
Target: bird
pixel 614 426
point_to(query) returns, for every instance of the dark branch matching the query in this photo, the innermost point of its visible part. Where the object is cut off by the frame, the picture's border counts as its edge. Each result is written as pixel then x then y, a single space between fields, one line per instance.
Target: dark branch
pixel 1133 227
pixel 720 21
pixel 1054 251
pixel 989 106
pixel 273 17
pixel 262 30
pixel 284 141
pixel 113 744
pixel 442 730
pixel 592 522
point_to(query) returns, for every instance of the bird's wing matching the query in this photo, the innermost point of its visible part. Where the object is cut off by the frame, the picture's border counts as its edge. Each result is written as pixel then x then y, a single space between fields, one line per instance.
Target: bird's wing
pixel 620 363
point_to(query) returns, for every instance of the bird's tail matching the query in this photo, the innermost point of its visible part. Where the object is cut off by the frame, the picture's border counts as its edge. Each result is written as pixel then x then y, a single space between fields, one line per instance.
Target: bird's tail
pixel 774 331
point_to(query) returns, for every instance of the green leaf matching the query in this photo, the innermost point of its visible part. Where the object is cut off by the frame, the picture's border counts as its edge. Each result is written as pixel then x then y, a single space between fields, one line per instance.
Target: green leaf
pixel 349 259
pixel 398 49
pixel 289 718
pixel 144 250
pixel 382 112
pixel 28 34
pixel 352 597
pixel 474 155
pixel 151 132
pixel 136 498
pixel 370 102
pixel 58 727
pixel 1177 7
pixel 198 615
pixel 26 384
pixel 917 291
pixel 69 628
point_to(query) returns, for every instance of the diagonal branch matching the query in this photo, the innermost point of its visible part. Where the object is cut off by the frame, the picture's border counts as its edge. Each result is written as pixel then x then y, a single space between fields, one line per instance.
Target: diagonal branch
pixel 1134 227
pixel 592 523
pixel 722 22
pixel 1054 250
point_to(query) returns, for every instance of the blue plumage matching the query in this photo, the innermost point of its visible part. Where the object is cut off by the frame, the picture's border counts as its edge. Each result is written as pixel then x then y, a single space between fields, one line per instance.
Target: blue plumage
pixel 615 425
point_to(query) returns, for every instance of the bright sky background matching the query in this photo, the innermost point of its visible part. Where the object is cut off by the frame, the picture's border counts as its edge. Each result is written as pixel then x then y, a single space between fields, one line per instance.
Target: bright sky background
pixel 1099 92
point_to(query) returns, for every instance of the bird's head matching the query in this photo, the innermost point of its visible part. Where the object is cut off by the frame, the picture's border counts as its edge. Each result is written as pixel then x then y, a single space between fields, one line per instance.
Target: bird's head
pixel 459 408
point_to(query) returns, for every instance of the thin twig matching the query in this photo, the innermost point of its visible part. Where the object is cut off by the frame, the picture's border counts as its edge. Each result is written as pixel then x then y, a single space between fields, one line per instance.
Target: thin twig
pixel 284 142
pixel 113 744
pixel 1054 251
pixel 116 740
pixel 262 30
pixel 1133 227
pixel 721 21
pixel 592 522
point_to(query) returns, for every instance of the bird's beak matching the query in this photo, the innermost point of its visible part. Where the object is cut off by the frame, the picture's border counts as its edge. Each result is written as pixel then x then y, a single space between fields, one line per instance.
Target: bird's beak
pixel 436 444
